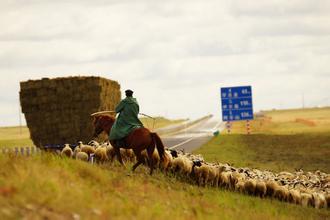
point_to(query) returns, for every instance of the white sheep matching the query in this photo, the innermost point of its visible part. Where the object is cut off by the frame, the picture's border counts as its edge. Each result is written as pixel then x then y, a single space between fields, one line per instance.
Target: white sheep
pixel 225 179
pixel 271 187
pixel 166 164
pixel 250 186
pixel 86 148
pixel 182 165
pixel 82 156
pixel 67 151
pixel 281 193
pixel 234 178
pixel 294 196
pixel 306 199
pixel 319 200
pixel 327 198
pixel 261 189
pixel 239 186
pixel 206 174
pixel 101 154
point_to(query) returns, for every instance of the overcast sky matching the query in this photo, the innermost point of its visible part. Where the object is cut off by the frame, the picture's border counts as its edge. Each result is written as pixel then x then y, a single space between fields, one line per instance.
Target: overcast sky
pixel 175 55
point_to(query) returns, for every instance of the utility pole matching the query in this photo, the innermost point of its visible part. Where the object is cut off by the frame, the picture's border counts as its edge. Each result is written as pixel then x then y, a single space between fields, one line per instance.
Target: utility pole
pixel 20 118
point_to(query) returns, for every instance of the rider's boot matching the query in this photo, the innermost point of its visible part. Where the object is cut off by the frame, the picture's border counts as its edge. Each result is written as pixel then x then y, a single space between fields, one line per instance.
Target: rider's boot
pixel 120 142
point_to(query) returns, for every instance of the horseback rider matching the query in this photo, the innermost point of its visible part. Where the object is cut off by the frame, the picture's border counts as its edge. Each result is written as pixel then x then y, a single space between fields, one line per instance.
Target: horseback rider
pixel 127 120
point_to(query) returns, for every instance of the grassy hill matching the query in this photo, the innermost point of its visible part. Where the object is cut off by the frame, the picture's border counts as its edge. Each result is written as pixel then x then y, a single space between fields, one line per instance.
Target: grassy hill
pixel 280 140
pixel 48 187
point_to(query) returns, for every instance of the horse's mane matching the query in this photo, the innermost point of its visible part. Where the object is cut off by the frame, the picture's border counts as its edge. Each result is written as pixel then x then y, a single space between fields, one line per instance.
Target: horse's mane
pixel 104 119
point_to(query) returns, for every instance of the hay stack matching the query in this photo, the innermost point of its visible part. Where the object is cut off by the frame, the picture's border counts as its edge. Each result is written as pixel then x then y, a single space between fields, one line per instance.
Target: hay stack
pixel 57 111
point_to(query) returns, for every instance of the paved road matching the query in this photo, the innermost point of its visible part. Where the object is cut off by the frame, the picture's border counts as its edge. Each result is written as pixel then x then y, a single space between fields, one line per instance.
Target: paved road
pixel 195 136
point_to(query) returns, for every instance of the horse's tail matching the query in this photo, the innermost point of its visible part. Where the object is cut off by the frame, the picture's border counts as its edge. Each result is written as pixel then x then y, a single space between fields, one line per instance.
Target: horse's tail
pixel 159 145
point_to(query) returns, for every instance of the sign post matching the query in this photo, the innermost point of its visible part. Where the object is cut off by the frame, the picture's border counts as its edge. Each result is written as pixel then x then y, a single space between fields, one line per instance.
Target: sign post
pixel 247 126
pixel 228 126
pixel 236 103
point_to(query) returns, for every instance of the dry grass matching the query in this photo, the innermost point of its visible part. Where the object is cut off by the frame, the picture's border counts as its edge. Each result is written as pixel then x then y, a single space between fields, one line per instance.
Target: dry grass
pixel 49 187
pixel 15 136
pixel 293 121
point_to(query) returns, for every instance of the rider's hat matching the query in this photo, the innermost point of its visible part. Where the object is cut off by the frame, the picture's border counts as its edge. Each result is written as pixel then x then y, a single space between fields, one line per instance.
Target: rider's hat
pixel 128 92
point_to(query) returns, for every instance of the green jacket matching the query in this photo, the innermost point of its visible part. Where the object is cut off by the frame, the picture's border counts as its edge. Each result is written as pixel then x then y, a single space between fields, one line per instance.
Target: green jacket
pixel 127 120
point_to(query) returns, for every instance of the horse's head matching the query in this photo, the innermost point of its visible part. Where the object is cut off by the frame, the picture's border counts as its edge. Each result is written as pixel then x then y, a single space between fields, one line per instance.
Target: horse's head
pixel 102 123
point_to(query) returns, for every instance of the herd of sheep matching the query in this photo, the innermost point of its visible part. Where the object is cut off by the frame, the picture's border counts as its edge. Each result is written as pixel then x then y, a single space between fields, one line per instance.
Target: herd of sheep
pixel 302 188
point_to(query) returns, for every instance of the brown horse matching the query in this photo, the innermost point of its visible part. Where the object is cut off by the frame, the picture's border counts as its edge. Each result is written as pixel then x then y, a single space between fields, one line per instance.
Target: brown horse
pixel 138 140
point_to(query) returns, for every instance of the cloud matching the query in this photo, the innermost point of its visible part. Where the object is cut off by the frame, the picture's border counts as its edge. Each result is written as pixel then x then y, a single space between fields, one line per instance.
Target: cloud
pixel 174 55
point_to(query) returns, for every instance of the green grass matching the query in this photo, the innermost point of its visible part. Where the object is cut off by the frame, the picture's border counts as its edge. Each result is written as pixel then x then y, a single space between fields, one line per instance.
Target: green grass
pixel 278 142
pixel 272 152
pixel 50 187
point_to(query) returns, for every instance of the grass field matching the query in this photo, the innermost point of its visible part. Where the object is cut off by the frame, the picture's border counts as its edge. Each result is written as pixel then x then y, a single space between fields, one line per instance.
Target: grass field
pixel 48 187
pixel 281 140
pixel 15 136
pixel 20 136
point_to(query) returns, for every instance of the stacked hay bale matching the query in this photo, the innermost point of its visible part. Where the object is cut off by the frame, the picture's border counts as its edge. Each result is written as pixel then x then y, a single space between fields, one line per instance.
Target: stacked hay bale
pixel 57 111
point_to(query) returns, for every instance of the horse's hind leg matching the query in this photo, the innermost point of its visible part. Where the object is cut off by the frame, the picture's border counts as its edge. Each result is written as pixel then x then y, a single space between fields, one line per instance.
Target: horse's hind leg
pixel 117 151
pixel 150 151
pixel 139 159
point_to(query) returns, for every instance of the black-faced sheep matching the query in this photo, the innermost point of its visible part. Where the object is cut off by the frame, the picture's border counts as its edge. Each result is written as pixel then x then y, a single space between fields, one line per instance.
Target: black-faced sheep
pixel 93 143
pixel 67 151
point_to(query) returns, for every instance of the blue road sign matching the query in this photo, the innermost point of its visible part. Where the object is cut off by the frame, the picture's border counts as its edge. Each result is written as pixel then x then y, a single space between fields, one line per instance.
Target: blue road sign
pixel 236 103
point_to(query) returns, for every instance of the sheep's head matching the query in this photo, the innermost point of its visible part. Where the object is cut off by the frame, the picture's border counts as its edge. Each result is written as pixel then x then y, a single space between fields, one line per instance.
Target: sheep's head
pixel 93 143
pixel 174 153
pixel 197 163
